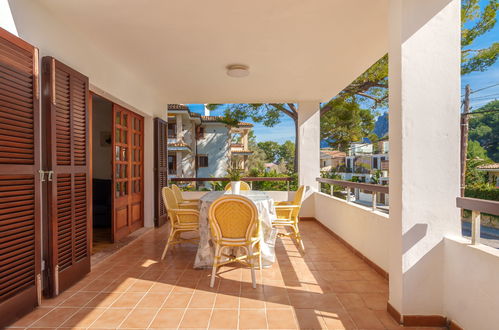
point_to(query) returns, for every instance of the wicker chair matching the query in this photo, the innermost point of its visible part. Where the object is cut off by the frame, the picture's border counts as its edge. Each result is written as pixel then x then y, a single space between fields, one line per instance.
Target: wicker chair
pixel 287 215
pixel 181 220
pixel 244 186
pixel 234 223
pixel 182 202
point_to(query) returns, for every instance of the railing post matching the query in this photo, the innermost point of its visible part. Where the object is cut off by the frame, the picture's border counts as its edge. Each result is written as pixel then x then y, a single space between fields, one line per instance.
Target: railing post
pixel 348 194
pixel 374 200
pixel 331 190
pixel 251 185
pixel 287 184
pixel 475 227
pixel 319 184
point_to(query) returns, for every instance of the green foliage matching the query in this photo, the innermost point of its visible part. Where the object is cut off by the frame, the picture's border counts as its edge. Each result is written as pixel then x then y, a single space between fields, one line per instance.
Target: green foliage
pixel 286 155
pixel 326 187
pixel 217 185
pixel 376 177
pixel 474 23
pixel 482 191
pixel 473 175
pixel 484 128
pixel 476 151
pixel 346 122
pixel 271 150
pixel 234 173
pixel 258 158
pixel 273 185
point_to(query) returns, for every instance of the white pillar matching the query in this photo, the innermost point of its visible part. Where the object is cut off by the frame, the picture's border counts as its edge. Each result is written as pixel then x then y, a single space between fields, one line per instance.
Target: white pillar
pixel 179 127
pixel 424 74
pixel 308 143
pixel 179 164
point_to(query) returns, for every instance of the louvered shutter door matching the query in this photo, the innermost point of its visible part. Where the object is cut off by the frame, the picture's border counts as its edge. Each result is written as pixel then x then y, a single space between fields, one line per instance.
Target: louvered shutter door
pixel 69 192
pixel 19 180
pixel 160 169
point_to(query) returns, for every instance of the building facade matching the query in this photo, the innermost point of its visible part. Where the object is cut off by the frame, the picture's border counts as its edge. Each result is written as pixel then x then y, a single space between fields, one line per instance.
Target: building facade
pixel 204 146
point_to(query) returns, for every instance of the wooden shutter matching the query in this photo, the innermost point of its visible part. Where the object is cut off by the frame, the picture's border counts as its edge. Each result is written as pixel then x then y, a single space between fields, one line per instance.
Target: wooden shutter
pixel 128 172
pixel 19 180
pixel 70 190
pixel 160 169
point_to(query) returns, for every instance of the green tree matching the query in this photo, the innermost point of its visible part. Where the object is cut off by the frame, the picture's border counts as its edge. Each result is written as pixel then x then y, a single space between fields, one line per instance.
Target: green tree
pixel 271 149
pixel 476 151
pixel 345 123
pixel 286 155
pixel 484 128
pixel 257 159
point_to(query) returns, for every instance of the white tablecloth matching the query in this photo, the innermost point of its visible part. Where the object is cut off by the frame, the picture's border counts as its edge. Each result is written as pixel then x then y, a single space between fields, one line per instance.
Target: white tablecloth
pixel 266 212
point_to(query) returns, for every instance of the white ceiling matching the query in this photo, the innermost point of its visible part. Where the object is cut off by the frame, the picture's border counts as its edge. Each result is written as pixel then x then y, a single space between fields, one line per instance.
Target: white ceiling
pixel 296 49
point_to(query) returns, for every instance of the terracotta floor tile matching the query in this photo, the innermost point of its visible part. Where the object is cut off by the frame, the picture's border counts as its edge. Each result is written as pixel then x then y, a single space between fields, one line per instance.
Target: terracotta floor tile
pixel 195 318
pixel 375 301
pixel 111 318
pixel 365 318
pixel 302 300
pixel 277 302
pixel 352 300
pixel 202 300
pixel 281 319
pixel 226 301
pixel 338 321
pixel 252 301
pixel 177 300
pixel 79 299
pixel 128 299
pixel 309 319
pixel 32 317
pixel 387 320
pixel 83 318
pixel 167 318
pixel 139 318
pixel 152 300
pixel 55 317
pixel 161 287
pixel 140 286
pixel 224 319
pixel 252 319
pixel 103 299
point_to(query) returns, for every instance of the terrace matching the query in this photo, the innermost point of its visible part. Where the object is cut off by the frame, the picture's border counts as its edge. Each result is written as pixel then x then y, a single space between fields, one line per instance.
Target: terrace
pixel 109 71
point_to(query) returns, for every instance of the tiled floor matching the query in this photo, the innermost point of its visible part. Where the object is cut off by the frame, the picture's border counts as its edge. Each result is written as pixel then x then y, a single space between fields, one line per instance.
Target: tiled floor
pixel 327 288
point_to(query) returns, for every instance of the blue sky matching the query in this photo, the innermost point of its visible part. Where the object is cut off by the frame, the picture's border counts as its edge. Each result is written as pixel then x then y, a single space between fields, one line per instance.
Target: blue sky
pixel 477 80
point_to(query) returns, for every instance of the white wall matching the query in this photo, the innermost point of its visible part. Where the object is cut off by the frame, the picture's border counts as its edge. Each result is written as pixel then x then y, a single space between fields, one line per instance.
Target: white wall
pixel 424 74
pixel 365 230
pixel 101 154
pixel 216 145
pixel 471 284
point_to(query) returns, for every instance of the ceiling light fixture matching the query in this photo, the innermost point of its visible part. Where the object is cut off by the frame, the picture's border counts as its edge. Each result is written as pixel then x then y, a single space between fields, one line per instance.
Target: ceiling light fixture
pixel 237 70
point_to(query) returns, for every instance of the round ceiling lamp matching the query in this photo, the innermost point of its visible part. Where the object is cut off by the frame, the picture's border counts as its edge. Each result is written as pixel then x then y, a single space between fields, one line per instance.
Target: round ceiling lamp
pixel 237 70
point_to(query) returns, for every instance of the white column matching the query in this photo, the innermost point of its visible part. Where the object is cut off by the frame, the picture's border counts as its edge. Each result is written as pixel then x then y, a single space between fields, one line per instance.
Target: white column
pixel 308 143
pixel 179 164
pixel 179 128
pixel 424 74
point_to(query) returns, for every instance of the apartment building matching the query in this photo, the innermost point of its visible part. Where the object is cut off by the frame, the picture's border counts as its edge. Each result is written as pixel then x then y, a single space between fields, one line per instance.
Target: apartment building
pixel 204 145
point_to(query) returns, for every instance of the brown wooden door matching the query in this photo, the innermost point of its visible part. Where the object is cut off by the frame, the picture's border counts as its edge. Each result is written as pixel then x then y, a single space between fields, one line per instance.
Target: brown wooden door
pixel 69 188
pixel 19 178
pixel 128 172
pixel 160 169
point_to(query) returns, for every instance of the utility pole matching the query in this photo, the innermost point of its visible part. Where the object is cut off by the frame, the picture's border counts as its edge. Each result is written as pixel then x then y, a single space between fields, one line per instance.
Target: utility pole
pixel 464 136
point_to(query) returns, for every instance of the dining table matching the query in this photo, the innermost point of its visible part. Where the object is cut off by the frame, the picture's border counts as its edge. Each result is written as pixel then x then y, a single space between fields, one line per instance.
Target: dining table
pixel 266 212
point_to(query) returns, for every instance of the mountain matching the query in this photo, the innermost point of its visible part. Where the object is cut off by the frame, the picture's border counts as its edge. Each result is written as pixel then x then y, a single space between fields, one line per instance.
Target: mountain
pixel 381 125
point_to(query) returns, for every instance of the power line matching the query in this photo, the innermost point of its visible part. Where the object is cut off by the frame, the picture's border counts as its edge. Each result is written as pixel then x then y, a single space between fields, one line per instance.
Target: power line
pixel 481 89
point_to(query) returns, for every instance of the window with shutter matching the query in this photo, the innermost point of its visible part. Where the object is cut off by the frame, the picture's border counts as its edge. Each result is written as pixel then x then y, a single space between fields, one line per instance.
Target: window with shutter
pixel 161 169
pixel 20 184
pixel 69 188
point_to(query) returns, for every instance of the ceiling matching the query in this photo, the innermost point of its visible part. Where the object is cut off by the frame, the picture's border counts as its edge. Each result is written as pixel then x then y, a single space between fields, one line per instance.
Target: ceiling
pixel 296 49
